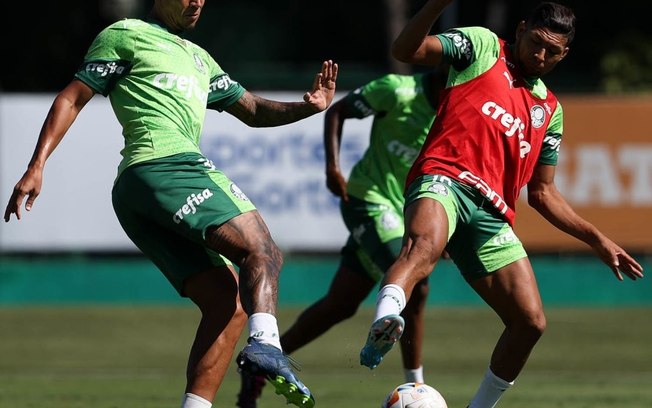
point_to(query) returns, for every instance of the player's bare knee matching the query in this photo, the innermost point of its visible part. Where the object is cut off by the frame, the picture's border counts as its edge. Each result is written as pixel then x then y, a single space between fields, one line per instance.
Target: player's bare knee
pixel 531 325
pixel 539 324
pixel 273 253
pixel 266 255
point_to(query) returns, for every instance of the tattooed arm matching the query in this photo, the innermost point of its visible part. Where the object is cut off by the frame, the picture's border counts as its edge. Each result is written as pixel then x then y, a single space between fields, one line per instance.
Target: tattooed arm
pixel 260 112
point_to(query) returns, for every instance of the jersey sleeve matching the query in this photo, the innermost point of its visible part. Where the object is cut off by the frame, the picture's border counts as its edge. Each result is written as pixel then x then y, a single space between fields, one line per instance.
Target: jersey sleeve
pixel 109 58
pixel 470 51
pixel 552 141
pixel 373 98
pixel 222 90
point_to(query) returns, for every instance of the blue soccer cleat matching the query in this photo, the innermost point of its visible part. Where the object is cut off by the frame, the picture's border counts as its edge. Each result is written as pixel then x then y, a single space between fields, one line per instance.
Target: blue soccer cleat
pixel 260 359
pixel 383 334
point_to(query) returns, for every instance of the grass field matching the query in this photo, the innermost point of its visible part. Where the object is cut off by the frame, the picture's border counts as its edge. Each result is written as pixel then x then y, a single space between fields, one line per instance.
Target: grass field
pixel 134 357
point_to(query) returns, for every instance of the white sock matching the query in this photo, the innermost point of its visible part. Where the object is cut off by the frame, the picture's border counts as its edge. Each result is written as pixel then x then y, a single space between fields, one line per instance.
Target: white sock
pixel 490 391
pixel 263 327
pixel 414 375
pixel 390 300
pixel 194 401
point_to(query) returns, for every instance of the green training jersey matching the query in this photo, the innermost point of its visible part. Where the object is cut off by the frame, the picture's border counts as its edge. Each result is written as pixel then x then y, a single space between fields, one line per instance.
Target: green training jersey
pixel 404 109
pixel 159 85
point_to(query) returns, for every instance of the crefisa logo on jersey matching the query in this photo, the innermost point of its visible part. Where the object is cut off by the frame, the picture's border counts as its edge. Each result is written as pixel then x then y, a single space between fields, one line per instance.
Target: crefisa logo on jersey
pixel 537 116
pixel 362 107
pixel 107 68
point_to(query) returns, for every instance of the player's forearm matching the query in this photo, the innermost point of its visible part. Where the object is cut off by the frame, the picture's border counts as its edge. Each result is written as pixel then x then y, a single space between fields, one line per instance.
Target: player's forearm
pixel 556 210
pixel 260 112
pixel 62 114
pixel 333 124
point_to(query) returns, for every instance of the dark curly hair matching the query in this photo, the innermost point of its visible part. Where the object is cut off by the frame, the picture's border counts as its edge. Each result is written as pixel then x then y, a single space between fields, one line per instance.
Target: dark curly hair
pixel 555 17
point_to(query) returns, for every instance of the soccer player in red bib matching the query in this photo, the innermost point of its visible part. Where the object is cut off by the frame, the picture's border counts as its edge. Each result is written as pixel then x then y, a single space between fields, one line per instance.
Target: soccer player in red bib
pixel 498 129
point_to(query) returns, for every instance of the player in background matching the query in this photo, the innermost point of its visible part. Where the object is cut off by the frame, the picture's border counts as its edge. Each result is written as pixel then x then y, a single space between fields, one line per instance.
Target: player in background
pixel 182 212
pixel 371 203
pixel 497 130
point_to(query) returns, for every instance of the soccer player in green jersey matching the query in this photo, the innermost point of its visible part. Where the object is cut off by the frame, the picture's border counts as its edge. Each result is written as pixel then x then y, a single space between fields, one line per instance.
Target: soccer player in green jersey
pixel 498 130
pixel 371 202
pixel 183 213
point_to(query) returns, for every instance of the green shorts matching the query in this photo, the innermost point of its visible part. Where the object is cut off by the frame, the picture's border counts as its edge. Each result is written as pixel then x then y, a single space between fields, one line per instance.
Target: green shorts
pixel 166 205
pixel 376 233
pixel 480 241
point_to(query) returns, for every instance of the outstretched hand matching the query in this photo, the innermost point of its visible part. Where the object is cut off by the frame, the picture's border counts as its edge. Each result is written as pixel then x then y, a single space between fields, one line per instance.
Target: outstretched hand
pixel 29 185
pixel 620 262
pixel 323 88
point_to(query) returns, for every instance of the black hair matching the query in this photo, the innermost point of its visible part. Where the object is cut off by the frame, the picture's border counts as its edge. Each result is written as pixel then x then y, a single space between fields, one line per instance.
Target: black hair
pixel 555 17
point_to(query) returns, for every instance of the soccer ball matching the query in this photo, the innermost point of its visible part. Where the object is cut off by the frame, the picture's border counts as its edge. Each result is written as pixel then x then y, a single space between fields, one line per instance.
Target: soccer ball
pixel 414 395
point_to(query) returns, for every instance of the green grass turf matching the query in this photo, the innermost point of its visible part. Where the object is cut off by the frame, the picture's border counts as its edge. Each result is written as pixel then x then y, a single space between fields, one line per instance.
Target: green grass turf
pixel 124 357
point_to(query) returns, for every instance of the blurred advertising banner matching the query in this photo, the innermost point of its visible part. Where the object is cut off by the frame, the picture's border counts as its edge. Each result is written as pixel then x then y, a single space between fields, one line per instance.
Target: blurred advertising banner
pixel 280 169
pixel 605 172
pixel 283 172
